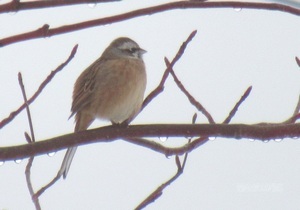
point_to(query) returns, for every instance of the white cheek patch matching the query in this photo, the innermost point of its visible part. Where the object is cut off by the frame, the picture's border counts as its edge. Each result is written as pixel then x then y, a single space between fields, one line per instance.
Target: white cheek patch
pixel 136 55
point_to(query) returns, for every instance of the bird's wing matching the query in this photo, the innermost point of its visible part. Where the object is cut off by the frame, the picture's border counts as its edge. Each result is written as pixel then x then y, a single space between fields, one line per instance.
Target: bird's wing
pixel 84 88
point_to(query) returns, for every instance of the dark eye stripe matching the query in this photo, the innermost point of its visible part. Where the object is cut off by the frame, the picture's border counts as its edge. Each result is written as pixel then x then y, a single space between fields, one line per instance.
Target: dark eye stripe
pixel 132 50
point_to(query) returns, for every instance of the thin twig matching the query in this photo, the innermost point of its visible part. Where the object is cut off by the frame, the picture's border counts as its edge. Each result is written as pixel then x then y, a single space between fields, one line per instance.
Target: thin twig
pixel 143 12
pixel 196 143
pixel 237 105
pixel 29 184
pixel 178 55
pixel 27 106
pixel 167 151
pixel 203 139
pixel 296 114
pixel 297 61
pixel 180 167
pixel 43 189
pixel 192 100
pixel 297 109
pixel 29 139
pixel 159 191
pixel 39 90
pixel 159 89
pixel 194 118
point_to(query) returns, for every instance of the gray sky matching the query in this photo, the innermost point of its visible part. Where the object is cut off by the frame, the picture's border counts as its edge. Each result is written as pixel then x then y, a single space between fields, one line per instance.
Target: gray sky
pixel 231 51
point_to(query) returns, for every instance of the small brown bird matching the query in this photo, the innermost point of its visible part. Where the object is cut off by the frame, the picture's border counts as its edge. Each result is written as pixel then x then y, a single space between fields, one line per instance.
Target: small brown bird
pixel 112 88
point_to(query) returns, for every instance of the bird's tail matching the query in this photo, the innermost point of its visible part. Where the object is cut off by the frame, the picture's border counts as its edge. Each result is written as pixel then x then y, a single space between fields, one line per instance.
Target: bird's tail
pixel 65 166
pixel 82 123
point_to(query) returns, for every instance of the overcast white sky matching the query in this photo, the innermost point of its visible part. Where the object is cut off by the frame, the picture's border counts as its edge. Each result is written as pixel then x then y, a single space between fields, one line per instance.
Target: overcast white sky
pixel 231 51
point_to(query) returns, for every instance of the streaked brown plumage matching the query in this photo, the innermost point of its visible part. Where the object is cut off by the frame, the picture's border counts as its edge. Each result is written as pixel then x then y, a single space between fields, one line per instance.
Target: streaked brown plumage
pixel 112 88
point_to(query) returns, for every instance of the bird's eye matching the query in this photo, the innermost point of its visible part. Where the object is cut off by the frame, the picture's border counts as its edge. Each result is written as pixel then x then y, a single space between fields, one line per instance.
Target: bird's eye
pixel 132 50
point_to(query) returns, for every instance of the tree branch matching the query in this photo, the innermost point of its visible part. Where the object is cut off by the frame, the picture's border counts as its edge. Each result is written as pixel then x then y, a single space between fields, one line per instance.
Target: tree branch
pixel 29 139
pixel 297 61
pixel 192 100
pixel 159 191
pixel 32 138
pixel 237 105
pixel 39 90
pixel 262 131
pixel 178 55
pixel 47 32
pixel 16 5
pixel 180 167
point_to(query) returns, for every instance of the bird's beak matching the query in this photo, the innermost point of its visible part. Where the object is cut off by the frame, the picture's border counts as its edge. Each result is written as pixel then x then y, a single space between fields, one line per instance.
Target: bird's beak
pixel 142 51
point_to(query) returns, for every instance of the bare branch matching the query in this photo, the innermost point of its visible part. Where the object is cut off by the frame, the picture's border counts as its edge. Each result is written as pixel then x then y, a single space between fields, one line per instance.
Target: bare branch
pixel 192 100
pixel 167 151
pixel 236 107
pixel 43 189
pixel 39 90
pixel 188 147
pixel 262 131
pixel 296 114
pixel 194 118
pixel 16 5
pixel 27 137
pixel 29 184
pixel 297 61
pixel 297 109
pixel 146 11
pixel 27 106
pixel 178 55
pixel 29 140
pixel 159 191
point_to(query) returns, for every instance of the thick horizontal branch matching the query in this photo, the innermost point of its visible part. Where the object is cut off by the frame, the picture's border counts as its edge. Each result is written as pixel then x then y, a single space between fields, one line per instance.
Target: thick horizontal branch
pixel 46 31
pixel 16 5
pixel 261 131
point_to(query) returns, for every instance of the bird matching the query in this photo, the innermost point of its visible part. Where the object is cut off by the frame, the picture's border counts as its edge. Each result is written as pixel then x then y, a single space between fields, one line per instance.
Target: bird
pixel 112 88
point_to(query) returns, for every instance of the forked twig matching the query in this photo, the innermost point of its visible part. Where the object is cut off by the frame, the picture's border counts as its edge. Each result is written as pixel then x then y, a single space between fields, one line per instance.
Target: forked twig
pixel 43 189
pixel 29 140
pixel 34 196
pixel 203 139
pixel 192 100
pixel 178 55
pixel 196 143
pixel 27 106
pixel 159 191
